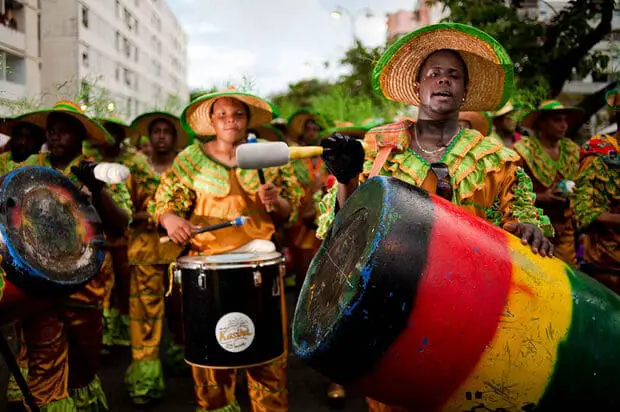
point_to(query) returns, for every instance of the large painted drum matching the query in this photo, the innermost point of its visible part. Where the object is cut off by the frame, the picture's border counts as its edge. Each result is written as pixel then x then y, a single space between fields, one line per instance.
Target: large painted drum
pixel 51 239
pixel 421 305
pixel 233 309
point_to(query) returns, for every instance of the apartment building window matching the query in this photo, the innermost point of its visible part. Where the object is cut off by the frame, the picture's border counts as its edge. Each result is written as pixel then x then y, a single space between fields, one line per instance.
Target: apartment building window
pixel 117 74
pixel 12 68
pixel 129 106
pixel 137 53
pixel 118 41
pixel 85 17
pixel 85 61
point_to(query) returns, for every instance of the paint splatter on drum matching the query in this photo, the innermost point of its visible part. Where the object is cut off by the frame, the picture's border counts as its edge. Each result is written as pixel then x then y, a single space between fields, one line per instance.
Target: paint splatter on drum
pixel 418 304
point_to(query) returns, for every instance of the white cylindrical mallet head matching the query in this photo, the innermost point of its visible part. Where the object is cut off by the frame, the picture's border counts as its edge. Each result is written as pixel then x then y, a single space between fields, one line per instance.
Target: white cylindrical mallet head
pixel 262 155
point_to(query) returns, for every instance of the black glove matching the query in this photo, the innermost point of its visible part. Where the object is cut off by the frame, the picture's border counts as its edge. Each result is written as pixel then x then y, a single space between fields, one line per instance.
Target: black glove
pixel 344 157
pixel 85 172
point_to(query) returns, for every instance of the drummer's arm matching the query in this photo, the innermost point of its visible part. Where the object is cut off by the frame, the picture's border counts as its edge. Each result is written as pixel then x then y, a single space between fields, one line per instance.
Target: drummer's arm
pixel 345 190
pixel 172 203
pixel 114 209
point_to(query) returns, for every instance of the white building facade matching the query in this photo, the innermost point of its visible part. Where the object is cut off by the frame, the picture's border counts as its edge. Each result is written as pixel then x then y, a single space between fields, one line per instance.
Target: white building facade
pixel 132 53
pixel 20 76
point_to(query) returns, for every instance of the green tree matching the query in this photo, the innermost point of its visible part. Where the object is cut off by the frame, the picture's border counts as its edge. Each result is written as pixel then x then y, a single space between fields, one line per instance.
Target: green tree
pixel 361 61
pixel 545 53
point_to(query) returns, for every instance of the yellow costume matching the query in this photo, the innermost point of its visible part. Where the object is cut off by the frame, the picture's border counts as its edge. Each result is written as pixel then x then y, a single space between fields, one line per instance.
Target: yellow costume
pixel 64 343
pixel 206 192
pixel 546 173
pixel 598 191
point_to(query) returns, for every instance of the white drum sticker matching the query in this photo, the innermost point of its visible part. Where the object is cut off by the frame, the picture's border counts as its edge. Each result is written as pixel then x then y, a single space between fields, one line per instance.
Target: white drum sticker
pixel 235 332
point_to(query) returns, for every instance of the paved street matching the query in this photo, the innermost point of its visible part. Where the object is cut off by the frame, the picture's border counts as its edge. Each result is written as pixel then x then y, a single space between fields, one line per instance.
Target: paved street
pixel 306 388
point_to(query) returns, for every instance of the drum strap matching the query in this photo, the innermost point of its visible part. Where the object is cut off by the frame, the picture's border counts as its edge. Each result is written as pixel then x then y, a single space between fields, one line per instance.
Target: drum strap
pixel 380 160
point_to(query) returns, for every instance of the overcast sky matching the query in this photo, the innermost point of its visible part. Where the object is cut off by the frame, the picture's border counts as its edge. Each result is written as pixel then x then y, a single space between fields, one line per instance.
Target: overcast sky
pixel 274 42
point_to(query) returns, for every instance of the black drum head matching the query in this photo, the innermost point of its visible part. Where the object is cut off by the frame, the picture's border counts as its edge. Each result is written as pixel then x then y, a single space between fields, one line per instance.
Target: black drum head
pixel 52 235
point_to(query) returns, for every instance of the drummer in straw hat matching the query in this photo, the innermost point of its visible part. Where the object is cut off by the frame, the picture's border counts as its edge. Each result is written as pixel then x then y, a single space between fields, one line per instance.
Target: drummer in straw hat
pixel 597 202
pixel 552 162
pixel 184 202
pixel 442 69
pixel 73 330
pixel 504 125
pixel 479 121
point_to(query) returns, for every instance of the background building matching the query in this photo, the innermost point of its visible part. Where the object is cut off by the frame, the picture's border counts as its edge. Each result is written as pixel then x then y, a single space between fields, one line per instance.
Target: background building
pixel 132 53
pixel 403 22
pixel 19 51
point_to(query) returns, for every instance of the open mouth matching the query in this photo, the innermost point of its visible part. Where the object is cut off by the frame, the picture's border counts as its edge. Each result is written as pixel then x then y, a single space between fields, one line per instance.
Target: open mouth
pixel 442 94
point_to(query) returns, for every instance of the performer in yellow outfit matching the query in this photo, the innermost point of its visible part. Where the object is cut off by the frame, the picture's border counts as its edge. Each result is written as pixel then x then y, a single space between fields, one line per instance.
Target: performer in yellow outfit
pixel 116 303
pixel 64 344
pixel 148 260
pixel 203 188
pixel 305 127
pixel 442 69
pixel 597 203
pixel 26 140
pixel 552 161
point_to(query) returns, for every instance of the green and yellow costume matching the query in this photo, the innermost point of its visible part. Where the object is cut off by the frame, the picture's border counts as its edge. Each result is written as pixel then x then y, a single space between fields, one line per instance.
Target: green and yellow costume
pixel 64 343
pixel 598 191
pixel 547 173
pixel 206 192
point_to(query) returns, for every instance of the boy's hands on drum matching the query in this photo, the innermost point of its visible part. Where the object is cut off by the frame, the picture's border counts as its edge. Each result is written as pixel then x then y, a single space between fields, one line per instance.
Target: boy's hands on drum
pixel 179 230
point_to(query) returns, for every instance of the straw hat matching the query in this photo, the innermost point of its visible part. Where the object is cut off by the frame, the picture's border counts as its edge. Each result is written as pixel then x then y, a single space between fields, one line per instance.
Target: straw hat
pixel 297 121
pixel 491 72
pixel 508 108
pixel 479 121
pixel 269 132
pixel 356 132
pixel 574 114
pixel 613 99
pixel 140 126
pixel 197 115
pixel 96 134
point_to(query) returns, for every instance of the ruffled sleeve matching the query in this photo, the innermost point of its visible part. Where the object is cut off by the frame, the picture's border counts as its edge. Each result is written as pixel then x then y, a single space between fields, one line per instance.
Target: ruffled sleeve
pixel 326 209
pixel 171 196
pixel 517 202
pixel 591 198
pixel 121 197
pixel 291 190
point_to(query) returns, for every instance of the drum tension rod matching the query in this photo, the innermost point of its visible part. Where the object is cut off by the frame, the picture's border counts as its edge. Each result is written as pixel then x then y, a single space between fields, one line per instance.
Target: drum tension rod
pixel 9 358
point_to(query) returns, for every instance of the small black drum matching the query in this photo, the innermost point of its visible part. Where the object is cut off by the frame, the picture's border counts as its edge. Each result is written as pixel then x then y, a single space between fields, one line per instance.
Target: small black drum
pixel 233 309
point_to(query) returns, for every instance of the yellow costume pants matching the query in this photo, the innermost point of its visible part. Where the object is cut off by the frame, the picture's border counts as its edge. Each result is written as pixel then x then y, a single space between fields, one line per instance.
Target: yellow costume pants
pixel 144 378
pixel 215 388
pixel 14 394
pixel 63 346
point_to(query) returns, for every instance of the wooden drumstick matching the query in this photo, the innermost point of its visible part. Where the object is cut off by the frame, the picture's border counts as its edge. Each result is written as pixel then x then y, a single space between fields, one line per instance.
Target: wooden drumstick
pixel 240 221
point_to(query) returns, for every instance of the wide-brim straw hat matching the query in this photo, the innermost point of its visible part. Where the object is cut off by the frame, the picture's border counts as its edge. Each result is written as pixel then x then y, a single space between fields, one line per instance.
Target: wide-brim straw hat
pixel 573 114
pixel 140 126
pixel 613 99
pixel 197 115
pixel 269 132
pixel 96 134
pixel 479 121
pixel 508 108
pixel 297 121
pixel 491 72
pixel 357 132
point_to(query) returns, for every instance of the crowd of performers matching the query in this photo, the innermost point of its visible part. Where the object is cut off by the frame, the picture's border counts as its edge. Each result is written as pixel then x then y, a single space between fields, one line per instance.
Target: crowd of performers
pixel 556 196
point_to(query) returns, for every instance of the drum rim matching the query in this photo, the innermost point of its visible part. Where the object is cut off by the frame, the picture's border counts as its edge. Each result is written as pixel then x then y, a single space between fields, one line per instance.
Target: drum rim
pixel 189 262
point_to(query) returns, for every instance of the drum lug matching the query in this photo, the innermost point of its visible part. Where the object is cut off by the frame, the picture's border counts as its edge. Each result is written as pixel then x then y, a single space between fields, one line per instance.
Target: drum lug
pixel 258 278
pixel 202 281
pixel 178 277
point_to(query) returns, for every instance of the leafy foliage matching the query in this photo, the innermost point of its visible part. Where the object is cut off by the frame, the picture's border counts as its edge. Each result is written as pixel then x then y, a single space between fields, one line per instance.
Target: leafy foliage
pixel 546 54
